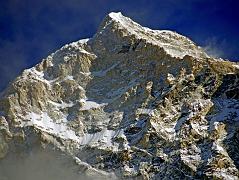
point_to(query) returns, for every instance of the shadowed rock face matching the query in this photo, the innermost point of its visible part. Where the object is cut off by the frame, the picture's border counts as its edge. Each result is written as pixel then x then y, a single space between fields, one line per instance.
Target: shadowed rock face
pixel 130 102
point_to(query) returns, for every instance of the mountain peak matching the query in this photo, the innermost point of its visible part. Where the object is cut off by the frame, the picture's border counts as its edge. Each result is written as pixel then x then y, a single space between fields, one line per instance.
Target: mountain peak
pixel 128 103
pixel 116 16
pixel 173 43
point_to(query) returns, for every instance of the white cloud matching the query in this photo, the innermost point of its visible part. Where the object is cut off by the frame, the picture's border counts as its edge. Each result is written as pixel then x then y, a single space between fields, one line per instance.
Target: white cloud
pixel 214 47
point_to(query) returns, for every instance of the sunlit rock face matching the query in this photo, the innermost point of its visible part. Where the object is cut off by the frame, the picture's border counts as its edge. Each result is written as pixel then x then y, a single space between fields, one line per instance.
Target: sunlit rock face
pixel 128 103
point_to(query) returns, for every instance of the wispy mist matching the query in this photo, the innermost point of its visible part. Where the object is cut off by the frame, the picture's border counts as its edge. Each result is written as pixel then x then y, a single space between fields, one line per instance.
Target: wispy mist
pixel 40 165
pixel 214 48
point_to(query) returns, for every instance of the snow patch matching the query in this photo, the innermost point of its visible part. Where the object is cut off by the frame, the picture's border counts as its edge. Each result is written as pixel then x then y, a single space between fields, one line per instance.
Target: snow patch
pixel 36 75
pixel 62 105
pixel 217 148
pixel 87 105
pixel 69 78
pixel 104 72
pixel 236 66
pixel 78 45
pixel 83 41
pixel 226 111
pixel 104 138
pixel 120 91
pixel 116 15
pixel 145 111
pixel 45 123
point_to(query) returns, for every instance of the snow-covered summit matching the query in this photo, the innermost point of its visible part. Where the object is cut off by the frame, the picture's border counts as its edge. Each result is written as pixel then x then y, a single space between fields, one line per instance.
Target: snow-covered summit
pixel 173 43
pixel 117 16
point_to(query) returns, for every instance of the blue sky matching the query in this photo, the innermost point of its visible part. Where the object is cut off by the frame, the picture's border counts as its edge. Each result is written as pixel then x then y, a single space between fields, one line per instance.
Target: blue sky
pixel 32 29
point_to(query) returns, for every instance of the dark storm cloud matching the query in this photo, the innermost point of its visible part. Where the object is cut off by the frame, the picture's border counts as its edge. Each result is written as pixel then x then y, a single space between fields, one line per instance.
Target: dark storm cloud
pixel 30 30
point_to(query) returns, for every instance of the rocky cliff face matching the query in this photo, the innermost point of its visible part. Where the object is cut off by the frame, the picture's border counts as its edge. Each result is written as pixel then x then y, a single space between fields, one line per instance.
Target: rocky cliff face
pixel 130 102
